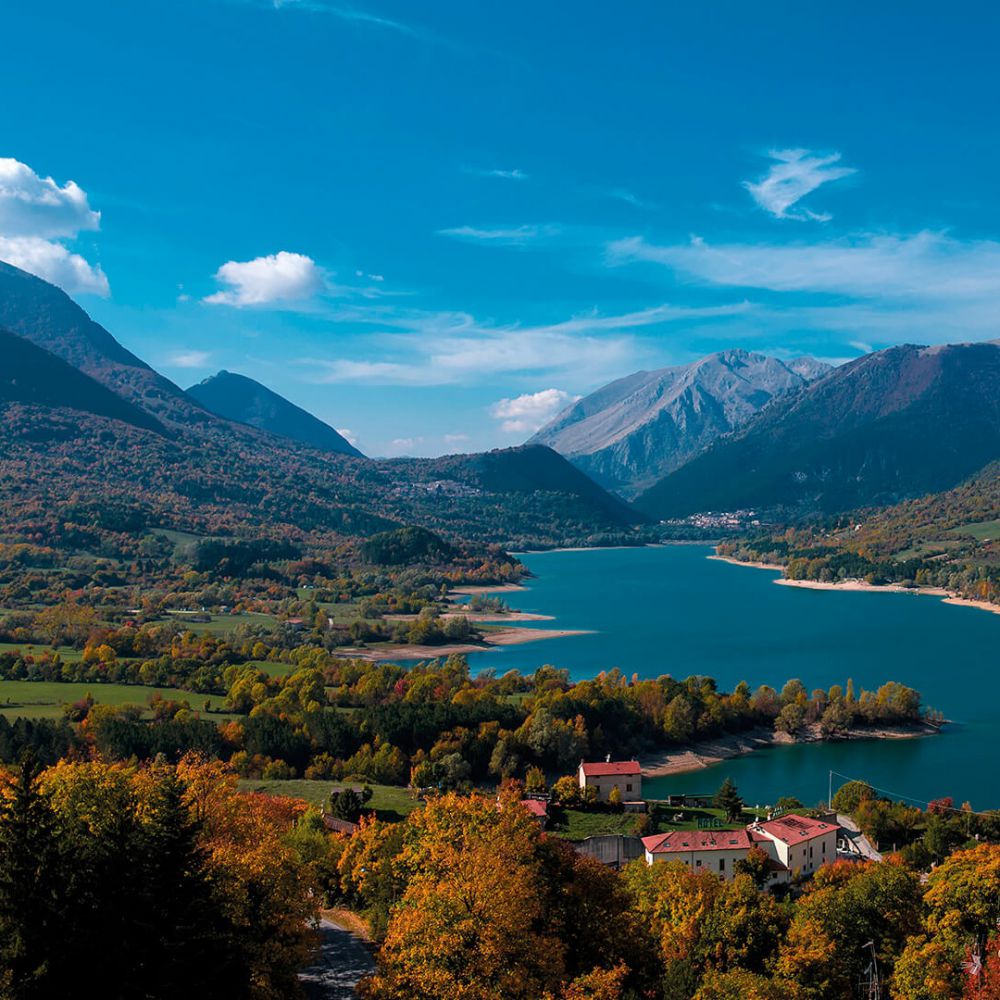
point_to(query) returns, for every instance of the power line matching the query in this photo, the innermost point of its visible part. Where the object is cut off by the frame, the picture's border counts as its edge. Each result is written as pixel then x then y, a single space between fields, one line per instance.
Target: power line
pixel 910 798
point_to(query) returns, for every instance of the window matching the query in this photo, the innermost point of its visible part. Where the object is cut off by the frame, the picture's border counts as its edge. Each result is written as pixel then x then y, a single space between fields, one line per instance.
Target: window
pixel 810 850
pixel 698 862
pixel 628 788
pixel 722 864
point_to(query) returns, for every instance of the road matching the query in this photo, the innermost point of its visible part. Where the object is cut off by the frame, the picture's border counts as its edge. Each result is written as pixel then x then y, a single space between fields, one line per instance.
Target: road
pixel 342 960
pixel 861 843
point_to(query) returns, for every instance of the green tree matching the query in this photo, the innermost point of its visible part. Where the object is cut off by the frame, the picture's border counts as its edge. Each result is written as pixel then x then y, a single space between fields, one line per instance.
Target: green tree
pixel 30 903
pixel 727 798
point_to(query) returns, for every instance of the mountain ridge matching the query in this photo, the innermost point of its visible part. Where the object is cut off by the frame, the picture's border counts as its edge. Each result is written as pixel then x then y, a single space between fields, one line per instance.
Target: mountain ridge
pixel 246 401
pixel 896 423
pixel 629 433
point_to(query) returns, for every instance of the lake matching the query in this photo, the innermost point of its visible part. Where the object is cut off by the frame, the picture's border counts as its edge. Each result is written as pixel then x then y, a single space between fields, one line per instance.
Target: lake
pixel 671 609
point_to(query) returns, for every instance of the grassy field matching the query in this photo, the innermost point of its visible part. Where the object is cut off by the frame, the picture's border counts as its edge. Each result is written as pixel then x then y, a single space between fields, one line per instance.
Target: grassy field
pixel 389 801
pixel 68 654
pixel 272 668
pixel 982 531
pixel 45 699
pixel 221 624
pixel 580 824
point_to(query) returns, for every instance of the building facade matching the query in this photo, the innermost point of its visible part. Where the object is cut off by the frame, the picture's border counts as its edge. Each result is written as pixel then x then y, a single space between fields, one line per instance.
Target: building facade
pixel 801 844
pixel 625 775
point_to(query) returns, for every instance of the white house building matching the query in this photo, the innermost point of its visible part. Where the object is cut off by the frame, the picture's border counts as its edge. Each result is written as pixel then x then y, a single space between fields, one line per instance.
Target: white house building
pixel 715 851
pixel 801 844
pixel 625 775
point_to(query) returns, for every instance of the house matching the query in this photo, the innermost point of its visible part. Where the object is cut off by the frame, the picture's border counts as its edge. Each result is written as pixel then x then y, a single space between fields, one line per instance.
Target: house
pixel 801 844
pixel 716 851
pixel 625 775
pixel 539 809
pixel 336 825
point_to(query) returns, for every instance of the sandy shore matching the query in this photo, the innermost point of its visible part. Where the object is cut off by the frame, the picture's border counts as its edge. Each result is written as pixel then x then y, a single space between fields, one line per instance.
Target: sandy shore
pixel 968 602
pixel 752 565
pixel 495 588
pixel 503 637
pixel 484 617
pixel 861 586
pixel 704 754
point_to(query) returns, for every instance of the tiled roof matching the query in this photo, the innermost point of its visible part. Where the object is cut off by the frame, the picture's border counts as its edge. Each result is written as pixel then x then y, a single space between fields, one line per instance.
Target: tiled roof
pixel 681 841
pixel 793 829
pixel 615 767
pixel 535 807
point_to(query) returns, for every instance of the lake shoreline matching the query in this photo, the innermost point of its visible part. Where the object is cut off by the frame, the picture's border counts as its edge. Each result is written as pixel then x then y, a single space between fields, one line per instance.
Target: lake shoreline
pixel 707 753
pixel 503 637
pixel 863 587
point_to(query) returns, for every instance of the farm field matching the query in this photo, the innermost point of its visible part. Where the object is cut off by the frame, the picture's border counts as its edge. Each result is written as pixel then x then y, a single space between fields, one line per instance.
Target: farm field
pixel 390 802
pixel 45 699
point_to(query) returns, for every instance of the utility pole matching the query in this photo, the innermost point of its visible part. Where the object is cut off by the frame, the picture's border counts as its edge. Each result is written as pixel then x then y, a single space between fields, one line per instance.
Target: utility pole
pixel 829 794
pixel 871 983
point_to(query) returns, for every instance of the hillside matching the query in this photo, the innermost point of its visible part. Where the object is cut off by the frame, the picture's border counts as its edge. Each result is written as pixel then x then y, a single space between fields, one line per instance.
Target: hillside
pixel 949 540
pixel 30 374
pixel 898 423
pixel 210 476
pixel 236 397
pixel 49 318
pixel 634 431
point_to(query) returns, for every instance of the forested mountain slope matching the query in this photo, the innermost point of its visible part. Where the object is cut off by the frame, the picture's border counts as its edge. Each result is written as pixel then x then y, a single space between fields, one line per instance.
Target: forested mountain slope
pixel 236 397
pixel 894 424
pixel 213 476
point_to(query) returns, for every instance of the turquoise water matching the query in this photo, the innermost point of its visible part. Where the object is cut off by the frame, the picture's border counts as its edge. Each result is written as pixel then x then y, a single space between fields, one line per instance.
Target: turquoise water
pixel 673 610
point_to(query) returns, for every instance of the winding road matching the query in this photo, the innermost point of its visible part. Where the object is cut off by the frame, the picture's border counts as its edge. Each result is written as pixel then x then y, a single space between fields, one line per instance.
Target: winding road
pixel 342 961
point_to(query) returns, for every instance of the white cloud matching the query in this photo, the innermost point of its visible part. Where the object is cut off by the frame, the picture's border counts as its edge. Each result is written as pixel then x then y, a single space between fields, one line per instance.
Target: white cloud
pixel 36 206
pixel 189 359
pixel 405 446
pixel 454 348
pixel 926 265
pixel 927 287
pixel 456 438
pixel 53 262
pixel 796 173
pixel 501 236
pixel 526 414
pixel 36 217
pixel 861 345
pixel 348 435
pixel 276 279
pixel 507 175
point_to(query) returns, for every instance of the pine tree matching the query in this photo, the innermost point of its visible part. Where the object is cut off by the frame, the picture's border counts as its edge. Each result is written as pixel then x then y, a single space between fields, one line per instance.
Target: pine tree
pixel 30 898
pixel 727 798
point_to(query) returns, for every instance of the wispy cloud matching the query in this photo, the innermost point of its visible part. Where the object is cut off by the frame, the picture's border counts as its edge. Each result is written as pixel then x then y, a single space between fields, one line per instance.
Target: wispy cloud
pixel 796 173
pixel 502 236
pixel 507 175
pixel 455 348
pixel 189 359
pixel 526 414
pixel 346 12
pixel 928 286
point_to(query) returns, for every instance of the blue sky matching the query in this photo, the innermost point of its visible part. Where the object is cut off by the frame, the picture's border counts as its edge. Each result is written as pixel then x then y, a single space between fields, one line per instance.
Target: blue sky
pixel 433 224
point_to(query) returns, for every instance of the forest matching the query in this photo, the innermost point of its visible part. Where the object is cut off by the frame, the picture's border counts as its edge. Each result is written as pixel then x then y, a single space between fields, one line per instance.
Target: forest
pixel 209 891
pixel 948 540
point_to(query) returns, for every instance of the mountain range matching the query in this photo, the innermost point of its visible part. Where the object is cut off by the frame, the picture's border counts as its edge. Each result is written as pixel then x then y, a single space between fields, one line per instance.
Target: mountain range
pixel 91 435
pixel 632 432
pixel 897 423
